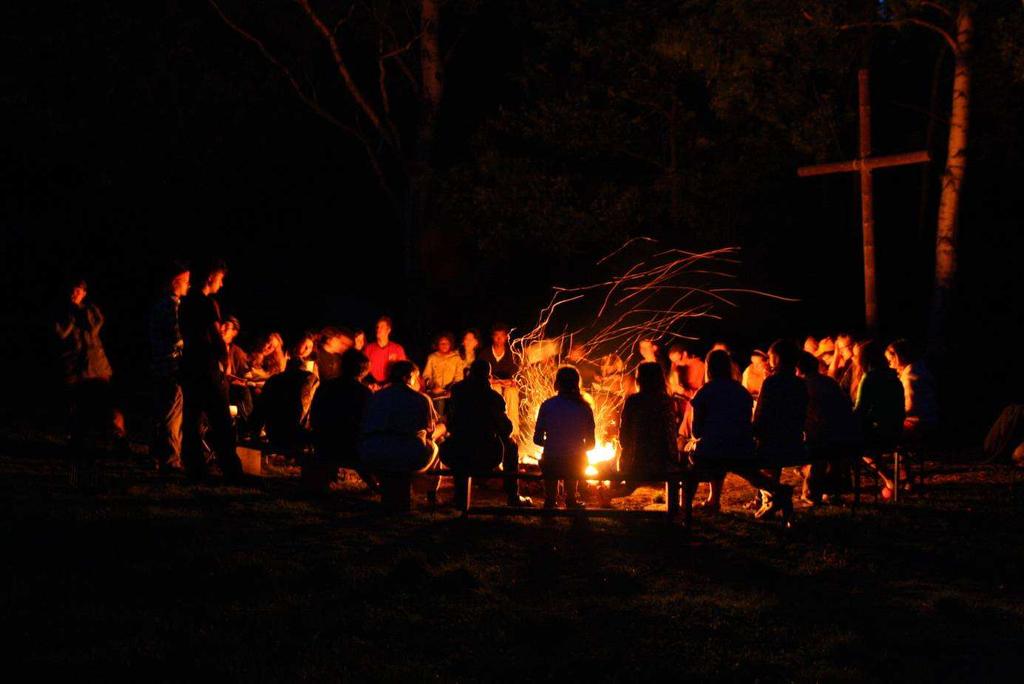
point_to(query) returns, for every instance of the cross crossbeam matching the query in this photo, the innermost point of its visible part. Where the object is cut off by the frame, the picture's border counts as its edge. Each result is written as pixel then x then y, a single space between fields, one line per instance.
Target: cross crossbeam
pixel 864 164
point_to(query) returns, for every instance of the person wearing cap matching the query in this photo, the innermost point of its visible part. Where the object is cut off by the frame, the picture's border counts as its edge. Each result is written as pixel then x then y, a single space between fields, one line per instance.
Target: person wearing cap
pixel 165 345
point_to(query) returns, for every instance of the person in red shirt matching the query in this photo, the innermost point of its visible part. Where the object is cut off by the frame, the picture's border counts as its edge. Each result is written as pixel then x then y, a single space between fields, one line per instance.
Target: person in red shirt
pixel 383 352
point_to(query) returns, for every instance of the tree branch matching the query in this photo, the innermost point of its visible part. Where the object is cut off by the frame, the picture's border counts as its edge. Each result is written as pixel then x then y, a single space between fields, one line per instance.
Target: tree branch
pixel 308 100
pixel 353 88
pixel 892 23
pixel 939 7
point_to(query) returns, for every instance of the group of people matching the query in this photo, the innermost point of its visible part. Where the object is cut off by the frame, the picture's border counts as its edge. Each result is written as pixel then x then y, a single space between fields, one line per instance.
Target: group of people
pixel 336 400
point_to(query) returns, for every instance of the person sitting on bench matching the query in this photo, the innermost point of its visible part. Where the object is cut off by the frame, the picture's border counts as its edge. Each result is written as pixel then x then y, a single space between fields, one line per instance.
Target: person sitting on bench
pixel 780 416
pixel 478 435
pixel 283 406
pixel 880 408
pixel 335 419
pixel 399 433
pixel 647 429
pixel 721 423
pixel 565 429
pixel 831 433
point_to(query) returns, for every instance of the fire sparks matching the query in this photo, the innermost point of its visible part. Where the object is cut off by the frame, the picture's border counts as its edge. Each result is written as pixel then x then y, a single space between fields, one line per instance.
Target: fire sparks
pixel 652 298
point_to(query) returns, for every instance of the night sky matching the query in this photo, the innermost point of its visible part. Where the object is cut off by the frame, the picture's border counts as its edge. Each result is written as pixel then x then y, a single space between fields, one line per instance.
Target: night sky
pixel 136 132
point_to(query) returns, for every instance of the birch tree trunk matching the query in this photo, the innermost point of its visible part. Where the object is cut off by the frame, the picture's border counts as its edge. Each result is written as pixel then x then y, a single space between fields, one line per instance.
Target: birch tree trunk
pixel 952 186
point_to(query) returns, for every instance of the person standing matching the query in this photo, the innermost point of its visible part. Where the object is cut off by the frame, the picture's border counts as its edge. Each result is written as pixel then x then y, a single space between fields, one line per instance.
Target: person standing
pixel 165 347
pixel 383 352
pixel 87 374
pixel 204 362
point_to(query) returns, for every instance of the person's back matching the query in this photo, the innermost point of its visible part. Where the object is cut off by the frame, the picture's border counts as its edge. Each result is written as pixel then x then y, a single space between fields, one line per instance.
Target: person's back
pixel 397 430
pixel 336 417
pixel 721 420
pixel 475 411
pixel 284 404
pixel 780 415
pixel 830 417
pixel 566 427
pixel 397 410
pixel 880 407
pixel 648 432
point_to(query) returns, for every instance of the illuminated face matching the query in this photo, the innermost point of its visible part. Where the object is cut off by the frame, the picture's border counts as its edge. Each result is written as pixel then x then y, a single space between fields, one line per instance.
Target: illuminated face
pixel 229 332
pixel 499 338
pixel 359 341
pixel 414 380
pixel 469 342
pixel 444 345
pixel 676 357
pixel 306 348
pixel 894 361
pixel 773 360
pixel 383 330
pixel 647 350
pixel 844 347
pixel 179 286
pixel 216 282
pixel 757 361
pixel 78 293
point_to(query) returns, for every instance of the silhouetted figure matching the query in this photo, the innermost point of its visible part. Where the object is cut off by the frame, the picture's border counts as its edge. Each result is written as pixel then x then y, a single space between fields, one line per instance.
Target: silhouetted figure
pixel 204 382
pixel 780 414
pixel 831 432
pixel 283 405
pixel 565 429
pixel 165 347
pixel 479 434
pixel 87 374
pixel 336 418
pixel 649 424
pixel 721 422
pixel 880 408
pixel 399 433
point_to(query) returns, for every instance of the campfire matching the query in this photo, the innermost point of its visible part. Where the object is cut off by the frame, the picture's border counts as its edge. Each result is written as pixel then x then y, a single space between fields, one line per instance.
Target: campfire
pixel 650 298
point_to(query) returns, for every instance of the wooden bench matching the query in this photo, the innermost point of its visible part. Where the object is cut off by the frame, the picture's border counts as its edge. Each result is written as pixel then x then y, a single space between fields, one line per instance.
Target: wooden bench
pixel 675 490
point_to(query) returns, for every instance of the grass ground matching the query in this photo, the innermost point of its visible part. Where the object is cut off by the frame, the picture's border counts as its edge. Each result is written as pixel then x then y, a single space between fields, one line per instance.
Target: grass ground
pixel 156 579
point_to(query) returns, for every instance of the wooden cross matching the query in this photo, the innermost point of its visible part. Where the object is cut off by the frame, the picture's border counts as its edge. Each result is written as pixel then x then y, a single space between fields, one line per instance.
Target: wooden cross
pixel 865 164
